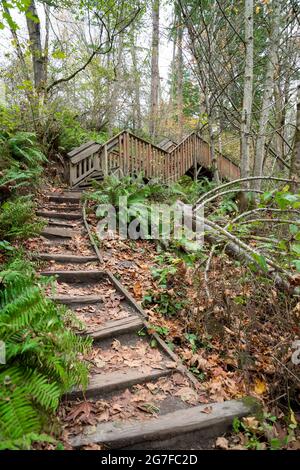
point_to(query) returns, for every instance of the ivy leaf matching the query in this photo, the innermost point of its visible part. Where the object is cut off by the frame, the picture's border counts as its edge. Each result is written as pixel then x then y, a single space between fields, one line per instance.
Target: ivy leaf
pixel 296 248
pixel 293 229
pixel 296 263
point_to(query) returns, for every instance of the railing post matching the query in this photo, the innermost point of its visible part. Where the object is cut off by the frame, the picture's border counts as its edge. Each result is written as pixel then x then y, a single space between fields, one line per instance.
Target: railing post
pixel 72 173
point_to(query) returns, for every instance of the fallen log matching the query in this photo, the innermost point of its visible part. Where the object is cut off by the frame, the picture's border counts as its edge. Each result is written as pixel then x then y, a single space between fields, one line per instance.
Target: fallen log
pixel 214 235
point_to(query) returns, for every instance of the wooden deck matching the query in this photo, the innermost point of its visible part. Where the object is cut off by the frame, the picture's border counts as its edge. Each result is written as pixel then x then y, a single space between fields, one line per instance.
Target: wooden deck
pixel 127 154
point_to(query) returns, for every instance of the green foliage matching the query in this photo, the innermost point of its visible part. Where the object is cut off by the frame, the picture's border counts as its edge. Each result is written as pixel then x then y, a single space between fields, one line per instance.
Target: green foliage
pixel 21 159
pixel 261 434
pixel 42 360
pixel 18 220
pixel 170 297
pixel 72 134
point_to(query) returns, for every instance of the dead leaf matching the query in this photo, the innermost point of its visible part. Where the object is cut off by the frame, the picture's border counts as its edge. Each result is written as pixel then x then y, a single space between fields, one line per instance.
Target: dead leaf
pixel 82 413
pixel 207 410
pixel 260 387
pixel 137 289
pixel 222 443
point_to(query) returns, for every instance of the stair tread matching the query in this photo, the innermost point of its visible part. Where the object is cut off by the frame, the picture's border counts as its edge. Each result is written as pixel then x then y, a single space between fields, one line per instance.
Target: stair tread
pixel 59 215
pixel 72 300
pixel 67 258
pixel 119 433
pixel 77 276
pixel 114 327
pixel 118 380
pixel 62 232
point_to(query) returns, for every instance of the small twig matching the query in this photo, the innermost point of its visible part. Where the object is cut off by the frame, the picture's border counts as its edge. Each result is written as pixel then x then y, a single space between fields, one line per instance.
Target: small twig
pixel 286 368
pixel 229 191
pixel 232 183
pixel 278 221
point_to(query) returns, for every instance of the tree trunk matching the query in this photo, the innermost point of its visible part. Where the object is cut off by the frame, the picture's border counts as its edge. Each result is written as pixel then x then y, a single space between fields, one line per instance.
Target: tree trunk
pixel 24 71
pixel 137 83
pixel 154 69
pixel 180 80
pixel 295 160
pixel 248 89
pixel 38 58
pixel 267 95
pixel 114 94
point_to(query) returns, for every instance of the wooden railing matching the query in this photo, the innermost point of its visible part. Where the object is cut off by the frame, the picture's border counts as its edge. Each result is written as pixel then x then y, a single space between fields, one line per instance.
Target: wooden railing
pixel 129 155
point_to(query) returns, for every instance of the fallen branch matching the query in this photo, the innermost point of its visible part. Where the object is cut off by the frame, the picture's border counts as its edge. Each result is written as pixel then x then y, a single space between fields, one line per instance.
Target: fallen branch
pixel 241 180
pixel 237 249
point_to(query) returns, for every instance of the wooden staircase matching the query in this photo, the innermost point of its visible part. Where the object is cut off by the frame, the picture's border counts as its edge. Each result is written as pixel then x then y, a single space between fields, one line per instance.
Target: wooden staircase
pixel 126 370
pixel 127 154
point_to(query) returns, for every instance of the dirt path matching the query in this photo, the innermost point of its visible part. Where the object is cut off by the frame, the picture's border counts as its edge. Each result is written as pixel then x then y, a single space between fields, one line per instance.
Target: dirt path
pixel 139 396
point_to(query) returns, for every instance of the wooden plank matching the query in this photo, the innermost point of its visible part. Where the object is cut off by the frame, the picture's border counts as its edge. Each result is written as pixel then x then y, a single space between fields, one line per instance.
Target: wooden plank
pixel 118 380
pixel 58 208
pixel 61 223
pixel 59 215
pixel 118 327
pixel 80 148
pixel 66 258
pixel 61 232
pixel 85 153
pixel 75 301
pixel 120 434
pixel 105 161
pixel 72 198
pixel 77 276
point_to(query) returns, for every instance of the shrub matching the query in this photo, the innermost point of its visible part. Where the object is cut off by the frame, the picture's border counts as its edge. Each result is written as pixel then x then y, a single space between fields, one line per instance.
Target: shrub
pixel 21 159
pixel 72 134
pixel 18 220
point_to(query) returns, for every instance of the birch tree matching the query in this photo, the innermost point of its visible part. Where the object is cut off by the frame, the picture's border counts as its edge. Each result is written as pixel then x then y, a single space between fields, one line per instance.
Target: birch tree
pixel 267 93
pixel 295 160
pixel 154 69
pixel 248 90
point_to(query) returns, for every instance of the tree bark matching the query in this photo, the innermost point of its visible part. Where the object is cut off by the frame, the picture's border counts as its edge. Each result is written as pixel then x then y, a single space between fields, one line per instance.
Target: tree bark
pixel 154 69
pixel 267 95
pixel 37 55
pixel 137 83
pixel 248 89
pixel 180 79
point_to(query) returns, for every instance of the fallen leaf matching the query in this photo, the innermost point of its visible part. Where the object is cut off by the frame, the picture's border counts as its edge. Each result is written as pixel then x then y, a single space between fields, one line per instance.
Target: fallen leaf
pixel 222 443
pixel 82 413
pixel 137 289
pixel 207 410
pixel 260 387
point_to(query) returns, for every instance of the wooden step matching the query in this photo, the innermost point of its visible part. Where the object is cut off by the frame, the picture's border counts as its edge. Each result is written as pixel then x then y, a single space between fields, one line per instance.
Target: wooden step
pixel 60 223
pixel 190 424
pixel 57 232
pixel 75 301
pixel 59 208
pixel 77 276
pixel 117 327
pixel 59 215
pixel 66 258
pixel 118 380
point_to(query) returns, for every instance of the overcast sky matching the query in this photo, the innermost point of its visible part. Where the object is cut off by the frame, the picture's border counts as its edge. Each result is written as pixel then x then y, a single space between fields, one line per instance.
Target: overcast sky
pixel 165 55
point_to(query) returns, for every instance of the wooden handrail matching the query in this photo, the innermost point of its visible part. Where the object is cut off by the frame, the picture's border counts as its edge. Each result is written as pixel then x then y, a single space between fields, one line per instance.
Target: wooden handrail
pixel 133 154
